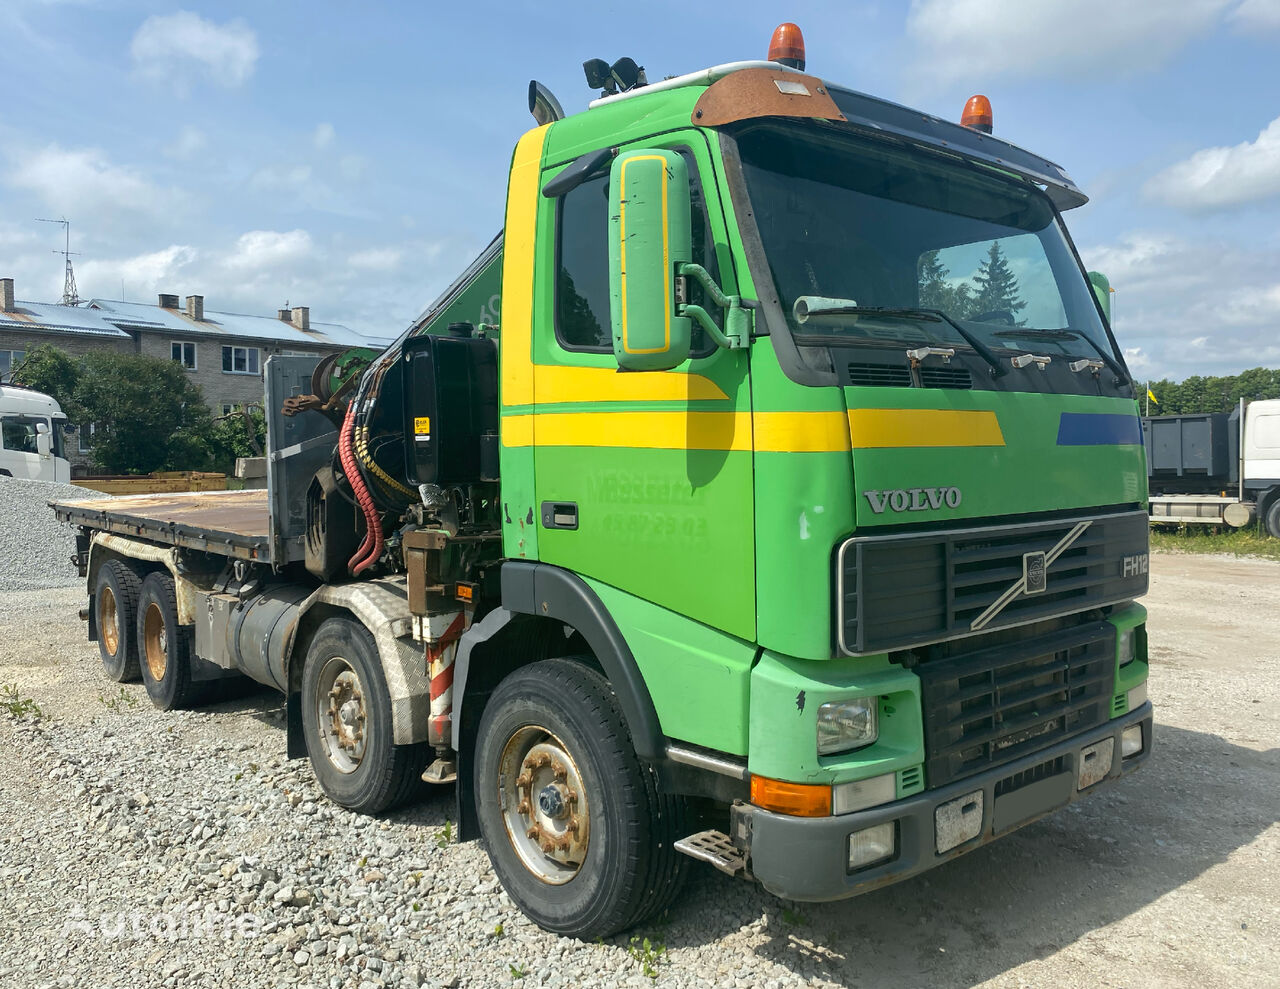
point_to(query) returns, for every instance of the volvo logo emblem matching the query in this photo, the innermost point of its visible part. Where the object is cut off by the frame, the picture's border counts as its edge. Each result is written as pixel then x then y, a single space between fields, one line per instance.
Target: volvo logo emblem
pixel 1035 576
pixel 913 499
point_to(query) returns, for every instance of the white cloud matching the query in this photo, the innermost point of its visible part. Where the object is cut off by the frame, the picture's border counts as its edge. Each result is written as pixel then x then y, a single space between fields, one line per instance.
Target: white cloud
pixel 323 136
pixel 1257 15
pixel 1214 178
pixel 139 277
pixel 189 143
pixel 978 40
pixel 175 48
pixel 258 250
pixel 1192 307
pixel 376 259
pixel 84 181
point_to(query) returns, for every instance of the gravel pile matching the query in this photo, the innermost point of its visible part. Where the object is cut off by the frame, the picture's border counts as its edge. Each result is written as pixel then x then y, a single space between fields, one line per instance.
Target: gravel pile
pixel 35 548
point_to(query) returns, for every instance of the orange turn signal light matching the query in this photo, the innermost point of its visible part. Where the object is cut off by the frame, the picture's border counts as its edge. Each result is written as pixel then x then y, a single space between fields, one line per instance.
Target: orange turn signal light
pixel 977 114
pixel 787 46
pixel 796 799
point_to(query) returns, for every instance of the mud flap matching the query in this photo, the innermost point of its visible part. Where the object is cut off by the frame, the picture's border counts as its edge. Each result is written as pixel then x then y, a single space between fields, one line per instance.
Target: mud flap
pixel 296 741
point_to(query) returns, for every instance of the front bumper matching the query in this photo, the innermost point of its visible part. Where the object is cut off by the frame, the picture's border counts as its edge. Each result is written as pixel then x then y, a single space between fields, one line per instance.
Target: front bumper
pixel 806 858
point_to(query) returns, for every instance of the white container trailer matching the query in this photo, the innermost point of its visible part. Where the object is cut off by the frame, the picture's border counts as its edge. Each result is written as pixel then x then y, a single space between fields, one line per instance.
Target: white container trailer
pixel 1216 468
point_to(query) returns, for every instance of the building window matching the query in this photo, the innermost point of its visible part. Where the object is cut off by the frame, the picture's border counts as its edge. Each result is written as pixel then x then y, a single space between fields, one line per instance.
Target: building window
pixel 84 438
pixel 183 353
pixel 239 360
pixel 9 359
pixel 229 407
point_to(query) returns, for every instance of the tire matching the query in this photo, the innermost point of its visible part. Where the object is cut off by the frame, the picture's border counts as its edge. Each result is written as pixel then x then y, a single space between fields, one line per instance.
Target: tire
pixel 1273 518
pixel 346 718
pixel 115 601
pixel 553 737
pixel 164 646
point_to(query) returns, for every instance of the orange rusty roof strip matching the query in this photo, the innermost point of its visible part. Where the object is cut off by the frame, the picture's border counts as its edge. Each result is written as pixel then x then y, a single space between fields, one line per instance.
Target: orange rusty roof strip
pixel 755 93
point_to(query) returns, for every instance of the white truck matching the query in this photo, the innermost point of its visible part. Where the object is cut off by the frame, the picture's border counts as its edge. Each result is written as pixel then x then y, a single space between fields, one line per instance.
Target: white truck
pixel 33 429
pixel 1216 468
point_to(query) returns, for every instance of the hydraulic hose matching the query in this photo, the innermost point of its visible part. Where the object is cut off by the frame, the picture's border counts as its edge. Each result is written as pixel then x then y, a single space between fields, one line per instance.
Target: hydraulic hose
pixel 365 555
pixel 366 460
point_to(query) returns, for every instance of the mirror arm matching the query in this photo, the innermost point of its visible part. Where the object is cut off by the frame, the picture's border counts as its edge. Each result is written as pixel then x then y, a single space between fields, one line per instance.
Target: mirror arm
pixel 737 319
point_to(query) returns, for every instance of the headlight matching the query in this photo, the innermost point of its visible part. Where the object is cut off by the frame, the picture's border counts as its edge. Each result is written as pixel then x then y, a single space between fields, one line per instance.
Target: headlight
pixel 1128 646
pixel 846 725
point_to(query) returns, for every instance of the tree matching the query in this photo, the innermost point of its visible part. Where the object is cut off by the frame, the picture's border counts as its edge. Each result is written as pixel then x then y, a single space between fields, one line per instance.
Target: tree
pixel 997 286
pixel 147 415
pixel 54 372
pixel 937 290
pixel 240 434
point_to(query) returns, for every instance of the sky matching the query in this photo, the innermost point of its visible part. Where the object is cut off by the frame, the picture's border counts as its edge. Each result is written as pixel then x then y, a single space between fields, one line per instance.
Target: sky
pixel 353 157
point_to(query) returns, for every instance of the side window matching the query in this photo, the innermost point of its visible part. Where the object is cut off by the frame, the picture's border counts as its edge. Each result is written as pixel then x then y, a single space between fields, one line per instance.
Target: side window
pixel 19 435
pixel 582 265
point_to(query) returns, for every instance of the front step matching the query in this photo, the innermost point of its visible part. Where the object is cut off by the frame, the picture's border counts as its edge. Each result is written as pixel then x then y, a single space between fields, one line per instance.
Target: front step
pixel 716 848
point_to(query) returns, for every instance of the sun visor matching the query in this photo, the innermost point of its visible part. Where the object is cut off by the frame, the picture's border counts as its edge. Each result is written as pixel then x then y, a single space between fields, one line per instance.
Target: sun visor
pixel 753 93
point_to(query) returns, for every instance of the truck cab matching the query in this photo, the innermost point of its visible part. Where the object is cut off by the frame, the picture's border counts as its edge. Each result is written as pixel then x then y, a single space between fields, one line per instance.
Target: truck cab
pixel 32 436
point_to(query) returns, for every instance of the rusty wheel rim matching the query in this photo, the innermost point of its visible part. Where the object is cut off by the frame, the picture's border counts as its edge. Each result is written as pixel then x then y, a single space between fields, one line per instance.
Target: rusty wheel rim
pixel 109 620
pixel 545 807
pixel 155 642
pixel 341 714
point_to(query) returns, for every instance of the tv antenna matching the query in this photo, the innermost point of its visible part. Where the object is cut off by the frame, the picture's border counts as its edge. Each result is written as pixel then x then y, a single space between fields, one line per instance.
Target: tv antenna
pixel 69 294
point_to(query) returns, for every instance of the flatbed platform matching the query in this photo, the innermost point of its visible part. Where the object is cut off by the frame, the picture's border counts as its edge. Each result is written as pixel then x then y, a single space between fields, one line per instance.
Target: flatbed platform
pixel 226 523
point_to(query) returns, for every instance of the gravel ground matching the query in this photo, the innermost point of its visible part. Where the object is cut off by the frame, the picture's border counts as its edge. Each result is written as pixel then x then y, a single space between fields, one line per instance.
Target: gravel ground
pixel 139 848
pixel 35 548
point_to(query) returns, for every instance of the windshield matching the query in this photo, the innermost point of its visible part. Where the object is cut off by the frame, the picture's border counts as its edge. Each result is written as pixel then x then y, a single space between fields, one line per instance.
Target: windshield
pixel 877 227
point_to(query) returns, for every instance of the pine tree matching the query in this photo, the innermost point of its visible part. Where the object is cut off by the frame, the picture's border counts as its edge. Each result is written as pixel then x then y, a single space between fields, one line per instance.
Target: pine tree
pixel 936 292
pixel 998 289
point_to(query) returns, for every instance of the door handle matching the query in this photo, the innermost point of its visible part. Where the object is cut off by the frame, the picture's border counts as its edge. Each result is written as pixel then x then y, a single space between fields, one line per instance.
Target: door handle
pixel 560 515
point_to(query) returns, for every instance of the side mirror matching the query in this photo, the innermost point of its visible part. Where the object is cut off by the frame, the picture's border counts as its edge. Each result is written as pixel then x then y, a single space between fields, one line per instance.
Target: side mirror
pixel 1102 289
pixel 649 238
pixel 44 439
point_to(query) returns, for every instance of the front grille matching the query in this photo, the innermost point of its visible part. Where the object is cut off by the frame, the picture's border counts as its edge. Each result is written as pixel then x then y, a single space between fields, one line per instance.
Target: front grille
pixel 879 375
pixel 997 704
pixel 945 377
pixel 900 591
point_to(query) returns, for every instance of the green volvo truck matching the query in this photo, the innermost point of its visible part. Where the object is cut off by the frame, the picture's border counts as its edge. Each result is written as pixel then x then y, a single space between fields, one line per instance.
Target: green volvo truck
pixel 770 493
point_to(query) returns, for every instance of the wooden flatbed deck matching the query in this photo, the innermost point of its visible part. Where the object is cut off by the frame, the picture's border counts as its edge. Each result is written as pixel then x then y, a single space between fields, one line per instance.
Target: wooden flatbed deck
pixel 227 523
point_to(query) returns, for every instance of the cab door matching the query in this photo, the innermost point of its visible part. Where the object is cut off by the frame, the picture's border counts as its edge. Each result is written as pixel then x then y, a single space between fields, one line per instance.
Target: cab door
pixel 643 480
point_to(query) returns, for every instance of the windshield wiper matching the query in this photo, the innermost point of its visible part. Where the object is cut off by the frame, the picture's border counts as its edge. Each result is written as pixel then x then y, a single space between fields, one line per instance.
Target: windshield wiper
pixel 808 306
pixel 1069 334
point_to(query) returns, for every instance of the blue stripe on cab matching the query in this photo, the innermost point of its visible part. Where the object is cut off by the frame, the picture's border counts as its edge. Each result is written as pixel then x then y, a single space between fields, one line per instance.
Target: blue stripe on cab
pixel 1099 429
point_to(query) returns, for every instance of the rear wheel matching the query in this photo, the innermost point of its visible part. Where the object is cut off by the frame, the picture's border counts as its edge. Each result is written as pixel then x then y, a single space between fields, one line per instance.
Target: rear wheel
pixel 346 716
pixel 1274 518
pixel 164 646
pixel 574 824
pixel 115 602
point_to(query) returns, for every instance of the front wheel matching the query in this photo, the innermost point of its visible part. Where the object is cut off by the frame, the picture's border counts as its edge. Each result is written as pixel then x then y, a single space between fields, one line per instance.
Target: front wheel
pixel 576 829
pixel 346 716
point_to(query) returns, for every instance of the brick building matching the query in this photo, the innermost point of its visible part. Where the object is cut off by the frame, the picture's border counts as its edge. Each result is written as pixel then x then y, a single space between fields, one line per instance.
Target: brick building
pixel 223 352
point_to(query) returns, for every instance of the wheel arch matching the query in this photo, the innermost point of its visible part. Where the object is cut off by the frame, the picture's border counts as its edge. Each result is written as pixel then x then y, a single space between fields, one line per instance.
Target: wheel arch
pixel 382 608
pixel 546 612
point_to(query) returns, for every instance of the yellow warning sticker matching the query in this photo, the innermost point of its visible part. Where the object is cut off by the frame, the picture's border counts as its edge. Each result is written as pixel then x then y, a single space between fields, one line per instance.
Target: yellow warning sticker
pixel 422 426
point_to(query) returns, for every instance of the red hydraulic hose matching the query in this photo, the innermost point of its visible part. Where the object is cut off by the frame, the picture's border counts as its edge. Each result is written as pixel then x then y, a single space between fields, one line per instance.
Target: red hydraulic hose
pixel 373 525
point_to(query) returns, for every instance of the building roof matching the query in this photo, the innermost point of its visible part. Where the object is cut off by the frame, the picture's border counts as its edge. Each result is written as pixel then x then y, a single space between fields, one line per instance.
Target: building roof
pixel 141 316
pixel 50 317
